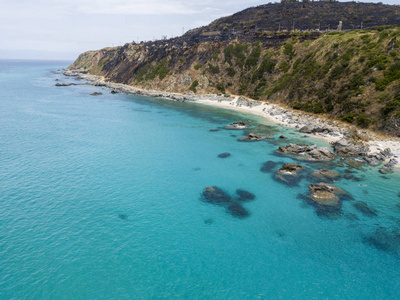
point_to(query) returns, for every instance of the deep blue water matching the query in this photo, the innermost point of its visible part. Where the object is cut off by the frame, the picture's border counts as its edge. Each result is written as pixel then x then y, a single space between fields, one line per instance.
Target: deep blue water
pixel 100 197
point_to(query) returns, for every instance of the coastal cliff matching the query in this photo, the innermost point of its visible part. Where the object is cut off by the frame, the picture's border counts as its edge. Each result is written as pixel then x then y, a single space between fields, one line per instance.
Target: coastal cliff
pixel 352 75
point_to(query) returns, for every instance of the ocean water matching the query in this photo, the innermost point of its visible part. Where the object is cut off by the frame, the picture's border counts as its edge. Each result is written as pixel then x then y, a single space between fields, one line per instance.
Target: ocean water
pixel 101 198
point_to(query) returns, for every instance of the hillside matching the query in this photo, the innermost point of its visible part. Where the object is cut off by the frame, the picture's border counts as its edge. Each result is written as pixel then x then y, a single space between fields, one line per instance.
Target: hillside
pixel 352 75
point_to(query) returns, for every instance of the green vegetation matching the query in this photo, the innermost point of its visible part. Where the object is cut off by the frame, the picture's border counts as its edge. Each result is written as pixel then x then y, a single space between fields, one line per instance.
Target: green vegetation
pixel 193 86
pixel 198 66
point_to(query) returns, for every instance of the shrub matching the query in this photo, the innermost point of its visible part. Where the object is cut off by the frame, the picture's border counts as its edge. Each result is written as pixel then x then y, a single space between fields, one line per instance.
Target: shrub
pixel 198 66
pixel 193 86
pixel 213 69
pixel 220 86
pixel 231 72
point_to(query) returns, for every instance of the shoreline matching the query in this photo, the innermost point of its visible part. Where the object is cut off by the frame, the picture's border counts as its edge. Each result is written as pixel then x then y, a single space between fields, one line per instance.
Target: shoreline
pixel 271 113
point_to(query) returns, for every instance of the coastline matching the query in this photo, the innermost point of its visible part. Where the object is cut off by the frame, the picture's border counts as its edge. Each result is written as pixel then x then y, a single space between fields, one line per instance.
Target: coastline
pixel 272 113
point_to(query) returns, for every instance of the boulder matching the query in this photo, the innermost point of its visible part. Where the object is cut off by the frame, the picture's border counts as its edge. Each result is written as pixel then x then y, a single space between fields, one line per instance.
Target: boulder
pixel 251 137
pixel 237 125
pixel 308 153
pixel 314 129
pixel 64 84
pixel 346 148
pixel 282 137
pixel 325 175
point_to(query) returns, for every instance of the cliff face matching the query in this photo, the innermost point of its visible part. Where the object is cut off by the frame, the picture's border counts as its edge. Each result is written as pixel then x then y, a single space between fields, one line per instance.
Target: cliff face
pixel 350 75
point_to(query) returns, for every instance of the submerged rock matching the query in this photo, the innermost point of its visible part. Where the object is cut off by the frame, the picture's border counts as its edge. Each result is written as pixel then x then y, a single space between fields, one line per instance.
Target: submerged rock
pixel 325 175
pixel 289 174
pixel 384 240
pixel 365 209
pixel 123 216
pixel 237 210
pixel 224 155
pixel 213 130
pixel 244 196
pixel 308 153
pixel 252 137
pixel 96 94
pixel 237 125
pixel 282 137
pixel 215 195
pixel 268 166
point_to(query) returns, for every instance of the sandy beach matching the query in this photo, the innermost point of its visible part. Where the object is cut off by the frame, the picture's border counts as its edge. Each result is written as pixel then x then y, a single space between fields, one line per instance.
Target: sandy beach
pixel 272 113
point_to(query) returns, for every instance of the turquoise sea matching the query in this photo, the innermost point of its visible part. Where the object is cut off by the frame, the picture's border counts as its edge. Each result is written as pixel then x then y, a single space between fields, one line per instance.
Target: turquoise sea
pixel 101 198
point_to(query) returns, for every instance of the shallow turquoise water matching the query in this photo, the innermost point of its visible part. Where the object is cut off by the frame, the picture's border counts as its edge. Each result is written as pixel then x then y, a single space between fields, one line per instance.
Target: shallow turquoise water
pixel 101 198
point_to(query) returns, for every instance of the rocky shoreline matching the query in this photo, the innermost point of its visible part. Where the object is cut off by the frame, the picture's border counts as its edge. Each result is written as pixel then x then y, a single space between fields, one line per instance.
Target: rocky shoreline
pixel 346 141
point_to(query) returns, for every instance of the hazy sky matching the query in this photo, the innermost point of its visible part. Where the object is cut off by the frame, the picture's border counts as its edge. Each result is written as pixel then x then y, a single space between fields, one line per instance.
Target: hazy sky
pixel 65 28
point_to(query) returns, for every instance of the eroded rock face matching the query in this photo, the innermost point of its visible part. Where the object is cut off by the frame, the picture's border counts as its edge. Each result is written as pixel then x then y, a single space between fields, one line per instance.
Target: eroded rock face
pixel 237 125
pixel 325 175
pixel 289 174
pixel 346 148
pixel 308 153
pixel 252 137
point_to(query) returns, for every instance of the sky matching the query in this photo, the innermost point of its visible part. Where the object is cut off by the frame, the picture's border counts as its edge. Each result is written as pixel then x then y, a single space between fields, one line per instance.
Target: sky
pixel 62 29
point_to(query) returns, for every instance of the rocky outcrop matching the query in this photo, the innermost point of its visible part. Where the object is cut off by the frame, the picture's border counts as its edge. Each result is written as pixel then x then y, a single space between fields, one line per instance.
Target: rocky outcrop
pixel 375 159
pixel 308 153
pixel 289 174
pixel 347 148
pixel 252 137
pixel 64 84
pixel 388 168
pixel 325 175
pixel 237 125
pixel 315 129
